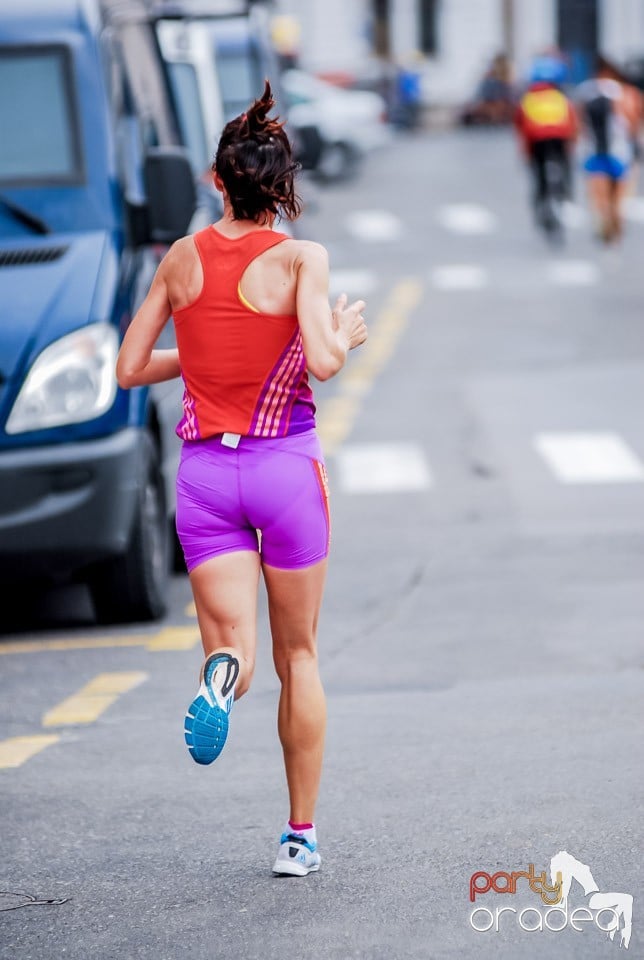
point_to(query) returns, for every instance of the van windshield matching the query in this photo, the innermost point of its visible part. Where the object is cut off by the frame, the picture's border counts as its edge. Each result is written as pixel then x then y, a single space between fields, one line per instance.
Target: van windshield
pixel 39 142
pixel 240 79
pixel 183 79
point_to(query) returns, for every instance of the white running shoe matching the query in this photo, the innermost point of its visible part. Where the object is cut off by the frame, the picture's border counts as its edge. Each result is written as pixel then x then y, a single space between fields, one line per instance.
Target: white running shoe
pixel 296 857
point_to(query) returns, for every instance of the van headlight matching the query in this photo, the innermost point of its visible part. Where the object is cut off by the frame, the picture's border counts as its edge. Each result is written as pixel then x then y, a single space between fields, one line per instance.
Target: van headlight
pixel 72 380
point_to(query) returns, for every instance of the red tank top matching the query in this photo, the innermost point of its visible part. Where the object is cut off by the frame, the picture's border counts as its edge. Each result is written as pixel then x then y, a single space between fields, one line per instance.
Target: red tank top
pixel 244 371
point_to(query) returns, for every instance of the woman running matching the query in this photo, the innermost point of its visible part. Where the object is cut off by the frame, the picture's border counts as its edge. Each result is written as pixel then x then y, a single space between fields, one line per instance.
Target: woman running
pixel 252 315
pixel 606 113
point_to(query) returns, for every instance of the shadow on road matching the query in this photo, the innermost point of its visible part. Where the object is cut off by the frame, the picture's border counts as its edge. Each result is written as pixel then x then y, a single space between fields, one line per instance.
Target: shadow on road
pixel 40 607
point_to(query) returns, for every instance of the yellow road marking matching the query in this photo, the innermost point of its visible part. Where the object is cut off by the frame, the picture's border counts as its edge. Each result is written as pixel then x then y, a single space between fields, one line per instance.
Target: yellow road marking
pixel 190 610
pixel 340 412
pixel 174 638
pixel 77 643
pixel 15 751
pixel 170 638
pixel 93 699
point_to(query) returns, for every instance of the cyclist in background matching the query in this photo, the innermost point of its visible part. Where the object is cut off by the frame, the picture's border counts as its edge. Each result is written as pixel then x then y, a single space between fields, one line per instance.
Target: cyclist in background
pixel 546 123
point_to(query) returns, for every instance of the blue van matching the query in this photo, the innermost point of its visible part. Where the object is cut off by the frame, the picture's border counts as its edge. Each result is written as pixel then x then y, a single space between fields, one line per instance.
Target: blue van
pixel 94 184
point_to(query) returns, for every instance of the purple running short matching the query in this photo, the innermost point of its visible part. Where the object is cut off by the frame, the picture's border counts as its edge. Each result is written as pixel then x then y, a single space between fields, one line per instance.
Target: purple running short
pixel 278 487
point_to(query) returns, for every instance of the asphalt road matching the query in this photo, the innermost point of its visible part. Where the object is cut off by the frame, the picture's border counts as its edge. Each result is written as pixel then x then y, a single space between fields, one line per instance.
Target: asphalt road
pixel 481 642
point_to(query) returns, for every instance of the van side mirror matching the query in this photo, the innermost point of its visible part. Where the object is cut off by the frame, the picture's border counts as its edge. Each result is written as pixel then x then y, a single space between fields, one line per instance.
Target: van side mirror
pixel 171 193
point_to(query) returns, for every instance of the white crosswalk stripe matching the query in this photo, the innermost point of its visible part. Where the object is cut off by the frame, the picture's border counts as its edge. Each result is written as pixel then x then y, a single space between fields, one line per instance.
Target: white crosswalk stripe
pixel 574 216
pixel 374 226
pixel 589 457
pixel 474 219
pixel 572 457
pixel 467 218
pixel 459 276
pixel 634 209
pixel 475 276
pixel 382 468
pixel 572 273
pixel 355 283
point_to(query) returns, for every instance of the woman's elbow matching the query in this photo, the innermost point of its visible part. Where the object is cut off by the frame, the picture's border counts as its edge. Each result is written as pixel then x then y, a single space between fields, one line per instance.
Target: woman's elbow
pixel 125 377
pixel 324 364
pixel 325 369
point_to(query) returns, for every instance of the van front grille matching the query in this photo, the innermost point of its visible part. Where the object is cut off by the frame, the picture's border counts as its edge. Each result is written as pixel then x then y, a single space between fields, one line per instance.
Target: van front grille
pixel 23 256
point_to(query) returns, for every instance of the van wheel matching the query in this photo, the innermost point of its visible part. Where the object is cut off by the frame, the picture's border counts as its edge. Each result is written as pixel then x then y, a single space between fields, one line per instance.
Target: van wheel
pixel 134 586
pixel 338 161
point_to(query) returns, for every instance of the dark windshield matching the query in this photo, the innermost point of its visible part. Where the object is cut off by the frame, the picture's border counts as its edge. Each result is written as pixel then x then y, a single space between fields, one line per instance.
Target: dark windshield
pixel 39 141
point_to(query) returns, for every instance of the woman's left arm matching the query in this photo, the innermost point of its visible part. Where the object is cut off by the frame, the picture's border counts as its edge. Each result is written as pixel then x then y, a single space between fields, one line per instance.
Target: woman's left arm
pixel 138 363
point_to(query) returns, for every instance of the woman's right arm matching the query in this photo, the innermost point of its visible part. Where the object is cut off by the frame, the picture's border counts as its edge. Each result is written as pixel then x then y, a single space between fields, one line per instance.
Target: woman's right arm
pixel 138 363
pixel 327 335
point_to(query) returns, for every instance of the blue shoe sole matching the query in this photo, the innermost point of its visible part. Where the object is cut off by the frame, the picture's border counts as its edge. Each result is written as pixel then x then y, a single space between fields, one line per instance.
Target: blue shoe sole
pixel 206 727
pixel 206 730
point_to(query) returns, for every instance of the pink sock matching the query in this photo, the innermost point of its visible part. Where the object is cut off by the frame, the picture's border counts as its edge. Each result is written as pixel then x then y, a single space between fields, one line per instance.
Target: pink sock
pixel 304 830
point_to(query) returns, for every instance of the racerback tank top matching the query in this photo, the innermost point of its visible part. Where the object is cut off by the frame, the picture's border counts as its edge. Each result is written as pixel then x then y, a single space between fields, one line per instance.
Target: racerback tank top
pixel 244 371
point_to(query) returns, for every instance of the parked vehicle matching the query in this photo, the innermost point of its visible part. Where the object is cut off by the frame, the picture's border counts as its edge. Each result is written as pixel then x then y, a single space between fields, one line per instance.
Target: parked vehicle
pixel 218 54
pixel 217 58
pixel 186 49
pixel 244 58
pixel 92 181
pixel 347 123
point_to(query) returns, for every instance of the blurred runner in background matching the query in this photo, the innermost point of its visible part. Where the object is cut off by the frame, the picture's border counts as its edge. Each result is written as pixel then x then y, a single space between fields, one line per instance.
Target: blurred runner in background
pixel 632 107
pixel 611 112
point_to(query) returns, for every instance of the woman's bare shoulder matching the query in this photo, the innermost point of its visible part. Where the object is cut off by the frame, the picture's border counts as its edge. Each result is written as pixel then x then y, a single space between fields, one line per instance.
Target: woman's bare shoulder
pixel 182 272
pixel 181 253
pixel 308 252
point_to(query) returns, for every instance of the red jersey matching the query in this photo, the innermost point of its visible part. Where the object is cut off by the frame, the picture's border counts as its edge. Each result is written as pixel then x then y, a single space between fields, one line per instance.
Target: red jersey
pixel 244 371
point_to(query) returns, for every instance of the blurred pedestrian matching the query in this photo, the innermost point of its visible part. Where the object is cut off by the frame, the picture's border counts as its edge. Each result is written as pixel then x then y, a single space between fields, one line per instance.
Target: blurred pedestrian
pixel 546 124
pixel 632 108
pixel 408 96
pixel 494 100
pixel 611 124
pixel 251 313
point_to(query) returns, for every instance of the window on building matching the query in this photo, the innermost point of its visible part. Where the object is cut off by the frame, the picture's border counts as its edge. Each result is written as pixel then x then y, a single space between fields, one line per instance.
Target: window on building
pixel 578 34
pixel 577 24
pixel 381 44
pixel 428 25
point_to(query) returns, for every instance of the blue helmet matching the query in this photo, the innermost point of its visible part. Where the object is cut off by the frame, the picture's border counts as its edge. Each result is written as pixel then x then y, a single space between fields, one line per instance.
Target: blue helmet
pixel 548 69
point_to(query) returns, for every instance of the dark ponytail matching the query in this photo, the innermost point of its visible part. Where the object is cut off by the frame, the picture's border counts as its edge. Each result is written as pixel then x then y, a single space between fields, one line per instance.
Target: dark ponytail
pixel 255 163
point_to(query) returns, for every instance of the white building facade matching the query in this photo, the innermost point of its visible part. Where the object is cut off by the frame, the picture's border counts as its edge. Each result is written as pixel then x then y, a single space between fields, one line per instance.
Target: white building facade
pixel 622 28
pixel 455 38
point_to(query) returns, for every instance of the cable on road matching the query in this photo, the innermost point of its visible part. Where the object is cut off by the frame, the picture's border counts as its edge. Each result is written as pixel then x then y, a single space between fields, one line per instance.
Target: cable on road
pixel 29 900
